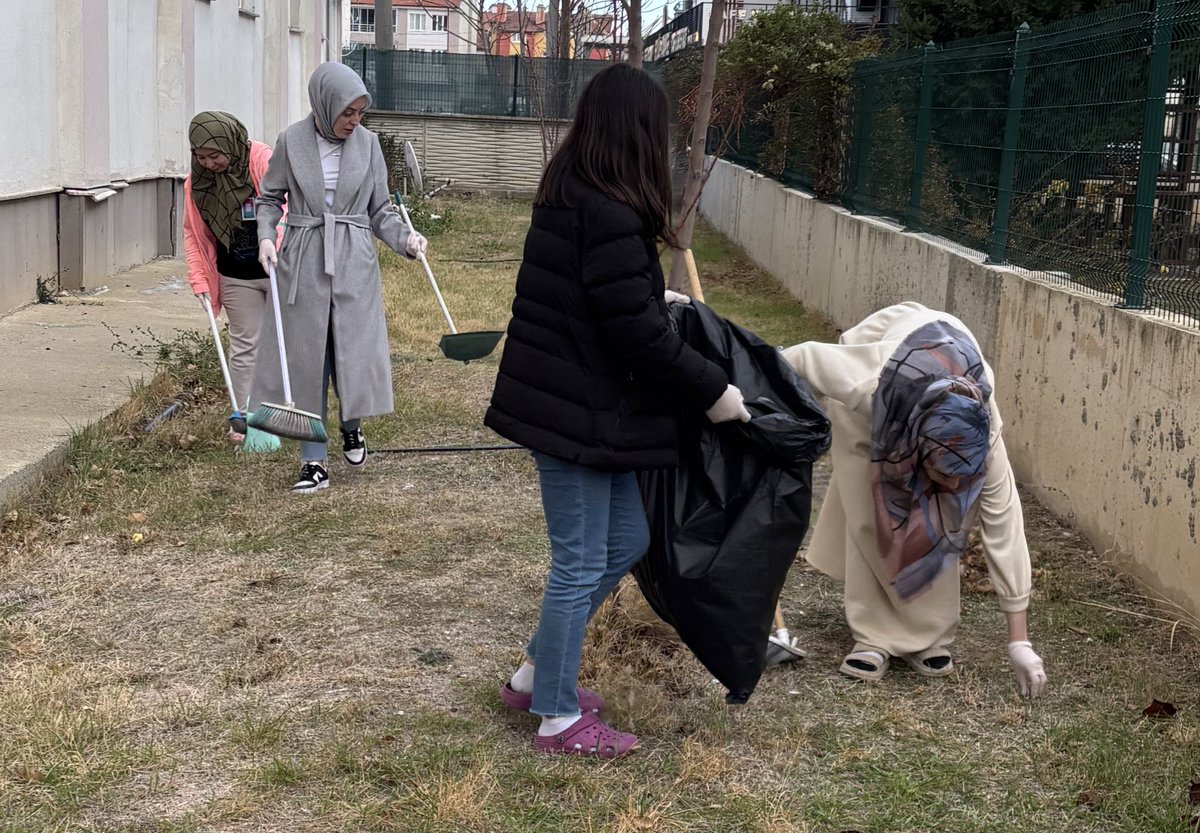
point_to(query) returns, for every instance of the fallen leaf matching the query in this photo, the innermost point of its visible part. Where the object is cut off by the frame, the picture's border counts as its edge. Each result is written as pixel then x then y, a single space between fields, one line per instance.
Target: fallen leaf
pixel 138 537
pixel 12 516
pixel 1158 710
pixel 137 518
pixel 1194 793
pixel 984 586
pixel 59 518
pixel 1080 631
pixel 1091 799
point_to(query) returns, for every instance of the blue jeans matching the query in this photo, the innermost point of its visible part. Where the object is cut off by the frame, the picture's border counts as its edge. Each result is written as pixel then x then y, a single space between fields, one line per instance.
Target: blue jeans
pixel 318 452
pixel 598 531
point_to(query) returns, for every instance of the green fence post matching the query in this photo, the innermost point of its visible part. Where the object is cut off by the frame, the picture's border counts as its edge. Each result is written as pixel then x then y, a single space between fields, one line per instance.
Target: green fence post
pixel 1008 152
pixel 860 140
pixel 913 219
pixel 516 80
pixel 1150 161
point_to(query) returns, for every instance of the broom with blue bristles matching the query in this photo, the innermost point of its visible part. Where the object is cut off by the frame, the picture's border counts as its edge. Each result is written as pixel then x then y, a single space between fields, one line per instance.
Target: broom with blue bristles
pixel 252 439
pixel 286 420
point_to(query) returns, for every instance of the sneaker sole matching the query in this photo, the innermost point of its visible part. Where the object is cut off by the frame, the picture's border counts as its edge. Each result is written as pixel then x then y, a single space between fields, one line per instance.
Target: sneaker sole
pixel 359 464
pixel 308 490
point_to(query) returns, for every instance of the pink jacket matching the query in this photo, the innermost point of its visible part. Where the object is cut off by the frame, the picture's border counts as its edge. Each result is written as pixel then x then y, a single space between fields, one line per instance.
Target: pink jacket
pixel 200 244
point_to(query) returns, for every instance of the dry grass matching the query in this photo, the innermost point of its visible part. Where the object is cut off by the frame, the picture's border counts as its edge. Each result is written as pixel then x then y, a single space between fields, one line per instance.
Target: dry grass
pixel 185 647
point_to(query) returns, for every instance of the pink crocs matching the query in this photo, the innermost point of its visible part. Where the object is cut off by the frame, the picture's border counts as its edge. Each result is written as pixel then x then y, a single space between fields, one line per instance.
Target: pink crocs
pixel 590 737
pixel 589 701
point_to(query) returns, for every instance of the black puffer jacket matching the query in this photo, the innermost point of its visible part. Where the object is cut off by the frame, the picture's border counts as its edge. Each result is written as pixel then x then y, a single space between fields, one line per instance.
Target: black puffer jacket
pixel 592 371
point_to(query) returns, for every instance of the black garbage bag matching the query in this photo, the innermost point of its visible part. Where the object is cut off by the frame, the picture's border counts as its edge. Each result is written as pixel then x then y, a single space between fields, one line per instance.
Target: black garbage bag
pixel 725 525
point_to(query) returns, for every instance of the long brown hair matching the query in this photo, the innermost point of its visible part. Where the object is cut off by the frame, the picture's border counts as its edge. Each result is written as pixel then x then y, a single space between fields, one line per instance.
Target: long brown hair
pixel 619 145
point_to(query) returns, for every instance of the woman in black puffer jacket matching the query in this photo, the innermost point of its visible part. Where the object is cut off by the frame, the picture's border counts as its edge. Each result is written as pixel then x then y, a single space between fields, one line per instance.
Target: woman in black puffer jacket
pixel 591 380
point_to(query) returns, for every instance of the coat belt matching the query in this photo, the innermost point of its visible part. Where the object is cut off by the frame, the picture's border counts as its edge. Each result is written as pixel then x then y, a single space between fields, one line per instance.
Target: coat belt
pixel 327 222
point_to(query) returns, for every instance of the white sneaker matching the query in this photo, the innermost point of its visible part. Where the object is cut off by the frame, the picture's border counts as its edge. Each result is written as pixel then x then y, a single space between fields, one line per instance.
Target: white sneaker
pixel 313 478
pixel 354 447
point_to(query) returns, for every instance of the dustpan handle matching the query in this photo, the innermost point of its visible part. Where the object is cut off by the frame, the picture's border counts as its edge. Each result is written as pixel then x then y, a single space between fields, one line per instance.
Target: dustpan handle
pixel 212 321
pixel 283 362
pixel 429 273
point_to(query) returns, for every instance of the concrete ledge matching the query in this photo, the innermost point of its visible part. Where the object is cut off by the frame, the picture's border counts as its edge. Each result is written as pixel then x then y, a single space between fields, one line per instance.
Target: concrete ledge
pixel 1101 405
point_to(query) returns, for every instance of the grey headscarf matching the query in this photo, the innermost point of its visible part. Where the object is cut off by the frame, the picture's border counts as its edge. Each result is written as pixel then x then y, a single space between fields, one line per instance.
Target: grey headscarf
pixel 332 88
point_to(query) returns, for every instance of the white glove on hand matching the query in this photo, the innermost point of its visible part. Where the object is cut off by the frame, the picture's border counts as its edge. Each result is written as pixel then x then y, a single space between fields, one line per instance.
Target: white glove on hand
pixel 729 407
pixel 417 245
pixel 1027 666
pixel 266 254
pixel 673 297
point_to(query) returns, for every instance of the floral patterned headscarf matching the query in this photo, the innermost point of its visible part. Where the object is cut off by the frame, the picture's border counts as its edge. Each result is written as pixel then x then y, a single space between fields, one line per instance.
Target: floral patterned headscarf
pixel 929 450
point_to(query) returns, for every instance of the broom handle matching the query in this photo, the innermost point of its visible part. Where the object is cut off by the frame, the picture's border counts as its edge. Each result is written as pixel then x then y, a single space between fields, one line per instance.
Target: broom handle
pixel 429 273
pixel 693 276
pixel 283 362
pixel 212 321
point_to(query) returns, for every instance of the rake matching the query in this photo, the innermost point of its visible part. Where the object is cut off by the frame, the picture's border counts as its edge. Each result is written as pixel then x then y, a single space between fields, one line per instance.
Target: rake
pixel 286 420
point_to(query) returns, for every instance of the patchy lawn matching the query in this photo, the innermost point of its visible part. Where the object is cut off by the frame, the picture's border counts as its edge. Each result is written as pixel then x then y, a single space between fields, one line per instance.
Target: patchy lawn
pixel 186 647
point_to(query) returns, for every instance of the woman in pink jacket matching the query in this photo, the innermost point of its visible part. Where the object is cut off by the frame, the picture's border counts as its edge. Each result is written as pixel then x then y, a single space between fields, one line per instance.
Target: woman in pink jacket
pixel 220 235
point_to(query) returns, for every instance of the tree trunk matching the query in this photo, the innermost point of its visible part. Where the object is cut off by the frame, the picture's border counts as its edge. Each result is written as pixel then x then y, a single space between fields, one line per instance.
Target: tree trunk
pixel 384 44
pixel 564 29
pixel 635 48
pixel 695 176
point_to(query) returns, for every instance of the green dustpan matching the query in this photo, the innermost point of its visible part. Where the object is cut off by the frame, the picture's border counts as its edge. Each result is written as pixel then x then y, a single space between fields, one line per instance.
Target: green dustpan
pixel 461 347
pixel 466 347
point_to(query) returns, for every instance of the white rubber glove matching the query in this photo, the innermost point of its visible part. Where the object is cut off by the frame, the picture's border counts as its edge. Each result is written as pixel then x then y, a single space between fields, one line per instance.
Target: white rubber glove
pixel 417 245
pixel 266 254
pixel 1027 667
pixel 673 297
pixel 729 407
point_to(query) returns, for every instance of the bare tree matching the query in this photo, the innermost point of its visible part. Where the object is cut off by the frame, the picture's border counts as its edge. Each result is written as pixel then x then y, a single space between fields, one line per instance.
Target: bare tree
pixel 696 173
pixel 566 16
pixel 635 48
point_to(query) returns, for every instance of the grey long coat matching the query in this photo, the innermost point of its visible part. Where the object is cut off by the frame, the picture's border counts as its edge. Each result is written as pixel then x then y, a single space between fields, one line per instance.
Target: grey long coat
pixel 328 273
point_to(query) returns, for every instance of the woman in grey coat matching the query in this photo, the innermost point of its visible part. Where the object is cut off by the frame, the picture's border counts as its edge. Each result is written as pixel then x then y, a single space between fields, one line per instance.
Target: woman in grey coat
pixel 331 174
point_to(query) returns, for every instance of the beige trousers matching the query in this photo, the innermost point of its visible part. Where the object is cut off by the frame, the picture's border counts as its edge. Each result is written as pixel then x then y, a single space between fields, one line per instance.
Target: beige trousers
pixel 246 306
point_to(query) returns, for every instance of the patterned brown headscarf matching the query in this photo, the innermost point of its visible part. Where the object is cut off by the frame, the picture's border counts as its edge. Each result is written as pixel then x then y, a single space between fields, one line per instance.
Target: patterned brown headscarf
pixel 219 197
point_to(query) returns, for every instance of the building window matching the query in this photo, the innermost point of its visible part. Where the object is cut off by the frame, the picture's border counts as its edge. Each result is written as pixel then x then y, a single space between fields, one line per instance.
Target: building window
pixel 417 21
pixel 439 22
pixel 362 20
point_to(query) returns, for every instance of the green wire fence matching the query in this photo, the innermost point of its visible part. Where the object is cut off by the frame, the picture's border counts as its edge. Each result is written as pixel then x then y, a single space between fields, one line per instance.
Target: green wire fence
pixel 1071 149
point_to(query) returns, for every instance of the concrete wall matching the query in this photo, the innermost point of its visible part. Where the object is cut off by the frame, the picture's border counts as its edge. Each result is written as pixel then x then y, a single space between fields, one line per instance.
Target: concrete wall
pixel 479 153
pixel 1101 406
pixel 99 105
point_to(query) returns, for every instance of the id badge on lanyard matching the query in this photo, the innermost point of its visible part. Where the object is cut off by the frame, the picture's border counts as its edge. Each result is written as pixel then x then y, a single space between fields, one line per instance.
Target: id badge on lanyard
pixel 248 212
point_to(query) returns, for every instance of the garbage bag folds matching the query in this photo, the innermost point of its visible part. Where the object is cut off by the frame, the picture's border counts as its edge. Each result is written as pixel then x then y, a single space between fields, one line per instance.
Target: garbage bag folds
pixel 726 524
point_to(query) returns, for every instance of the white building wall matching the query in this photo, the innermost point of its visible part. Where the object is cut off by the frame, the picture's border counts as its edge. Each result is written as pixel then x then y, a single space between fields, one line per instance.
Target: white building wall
pixel 99 93
pixel 29 161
